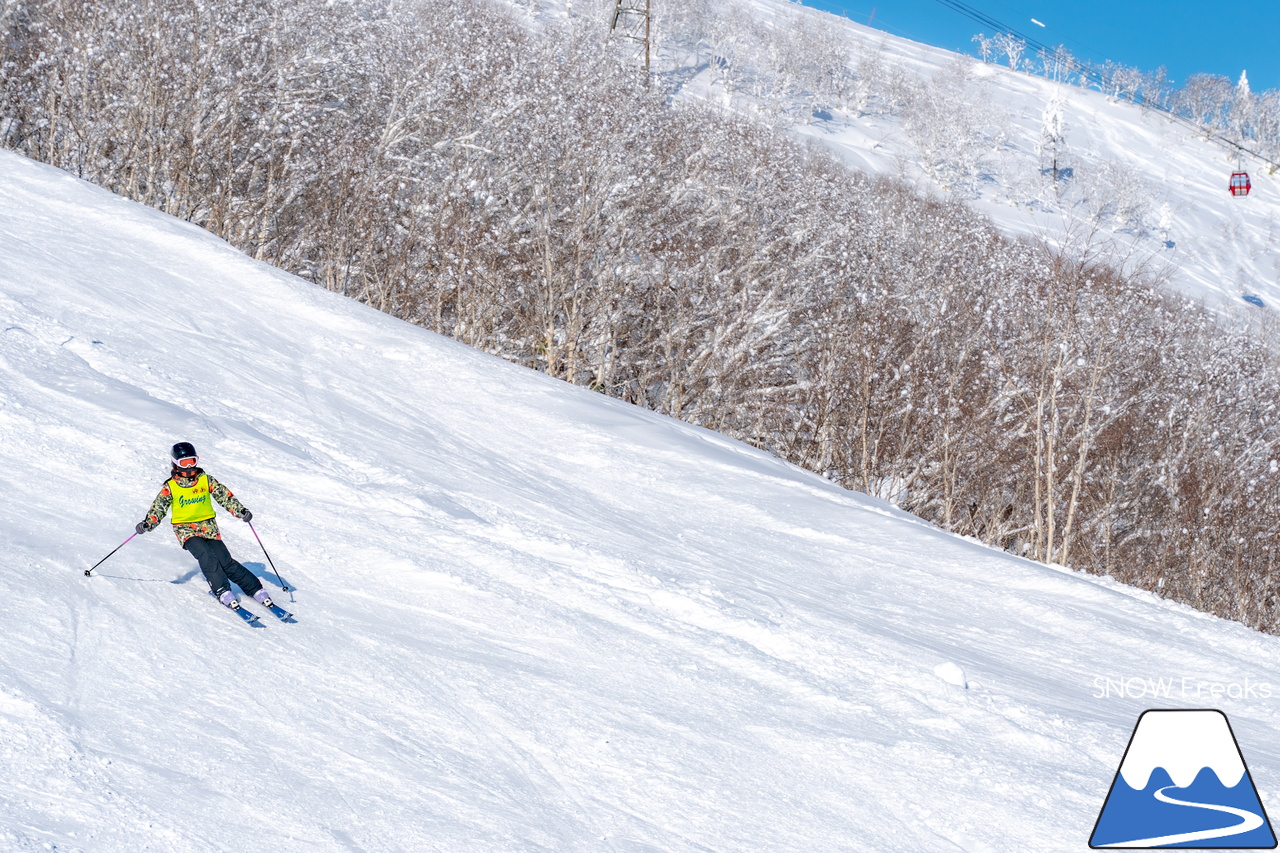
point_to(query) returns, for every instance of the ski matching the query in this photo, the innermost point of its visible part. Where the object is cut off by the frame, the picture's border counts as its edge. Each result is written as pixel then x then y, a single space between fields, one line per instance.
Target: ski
pixel 250 619
pixel 280 613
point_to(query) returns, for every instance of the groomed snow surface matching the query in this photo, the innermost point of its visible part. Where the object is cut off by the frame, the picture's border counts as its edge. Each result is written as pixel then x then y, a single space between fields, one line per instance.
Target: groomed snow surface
pixel 530 618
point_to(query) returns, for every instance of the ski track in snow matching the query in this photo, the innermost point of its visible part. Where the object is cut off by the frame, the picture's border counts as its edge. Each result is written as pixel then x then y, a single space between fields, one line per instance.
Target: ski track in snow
pixel 530 618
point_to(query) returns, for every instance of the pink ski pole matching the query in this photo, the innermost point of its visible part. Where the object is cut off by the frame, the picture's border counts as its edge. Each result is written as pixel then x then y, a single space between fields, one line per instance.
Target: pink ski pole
pixel 104 559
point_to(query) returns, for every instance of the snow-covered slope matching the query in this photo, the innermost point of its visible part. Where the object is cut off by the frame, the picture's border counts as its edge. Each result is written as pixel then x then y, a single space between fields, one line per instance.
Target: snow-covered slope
pixel 1136 186
pixel 530 617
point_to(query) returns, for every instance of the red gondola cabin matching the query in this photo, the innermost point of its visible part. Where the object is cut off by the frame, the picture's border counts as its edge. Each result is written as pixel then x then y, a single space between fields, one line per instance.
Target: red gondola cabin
pixel 1240 185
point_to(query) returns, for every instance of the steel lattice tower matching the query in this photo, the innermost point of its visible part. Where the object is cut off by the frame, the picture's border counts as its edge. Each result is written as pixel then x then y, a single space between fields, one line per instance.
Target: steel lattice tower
pixel 631 22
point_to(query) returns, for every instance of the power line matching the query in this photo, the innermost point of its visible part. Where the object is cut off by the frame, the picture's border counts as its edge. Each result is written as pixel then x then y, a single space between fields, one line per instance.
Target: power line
pixel 1091 74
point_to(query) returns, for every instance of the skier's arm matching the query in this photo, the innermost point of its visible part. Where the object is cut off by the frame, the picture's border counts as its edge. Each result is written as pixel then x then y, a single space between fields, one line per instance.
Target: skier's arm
pixel 159 507
pixel 223 495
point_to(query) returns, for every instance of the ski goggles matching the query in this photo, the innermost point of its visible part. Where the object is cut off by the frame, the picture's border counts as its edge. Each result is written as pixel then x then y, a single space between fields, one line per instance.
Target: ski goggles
pixel 185 462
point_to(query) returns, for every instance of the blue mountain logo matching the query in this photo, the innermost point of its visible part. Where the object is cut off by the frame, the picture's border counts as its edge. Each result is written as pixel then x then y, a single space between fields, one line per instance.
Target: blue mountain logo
pixel 1183 783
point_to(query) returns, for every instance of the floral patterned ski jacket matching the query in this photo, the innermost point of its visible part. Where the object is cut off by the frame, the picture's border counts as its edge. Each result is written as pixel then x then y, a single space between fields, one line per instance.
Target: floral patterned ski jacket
pixel 204 529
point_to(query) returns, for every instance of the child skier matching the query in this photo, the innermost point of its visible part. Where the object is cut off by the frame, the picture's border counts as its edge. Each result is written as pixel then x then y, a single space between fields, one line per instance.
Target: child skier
pixel 190 493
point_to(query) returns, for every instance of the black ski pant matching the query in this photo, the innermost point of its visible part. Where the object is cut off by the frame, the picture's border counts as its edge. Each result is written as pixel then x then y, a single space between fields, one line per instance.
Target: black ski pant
pixel 219 568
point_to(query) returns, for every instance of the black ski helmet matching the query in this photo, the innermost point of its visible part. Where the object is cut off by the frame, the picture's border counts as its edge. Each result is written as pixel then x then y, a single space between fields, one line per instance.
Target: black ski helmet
pixel 183 450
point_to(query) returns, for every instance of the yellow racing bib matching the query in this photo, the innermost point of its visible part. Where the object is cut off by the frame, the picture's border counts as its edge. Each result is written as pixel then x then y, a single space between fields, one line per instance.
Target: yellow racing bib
pixel 191 504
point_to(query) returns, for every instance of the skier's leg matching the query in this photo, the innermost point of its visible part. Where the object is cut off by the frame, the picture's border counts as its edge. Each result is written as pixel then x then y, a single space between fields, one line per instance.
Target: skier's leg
pixel 239 575
pixel 210 565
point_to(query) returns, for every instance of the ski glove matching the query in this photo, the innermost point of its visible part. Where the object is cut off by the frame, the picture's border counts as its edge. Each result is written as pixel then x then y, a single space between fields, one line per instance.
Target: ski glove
pixel 246 516
pixel 141 527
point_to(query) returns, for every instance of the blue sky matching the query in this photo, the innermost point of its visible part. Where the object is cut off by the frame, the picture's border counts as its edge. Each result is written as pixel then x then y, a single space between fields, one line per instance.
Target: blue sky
pixel 1185 37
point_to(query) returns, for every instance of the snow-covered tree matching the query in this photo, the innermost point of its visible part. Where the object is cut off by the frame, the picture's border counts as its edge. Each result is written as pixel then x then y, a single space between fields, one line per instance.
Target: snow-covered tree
pixel 1012 47
pixel 1057 64
pixel 1240 112
pixel 1053 135
pixel 1205 98
pixel 986 46
pixel 951 127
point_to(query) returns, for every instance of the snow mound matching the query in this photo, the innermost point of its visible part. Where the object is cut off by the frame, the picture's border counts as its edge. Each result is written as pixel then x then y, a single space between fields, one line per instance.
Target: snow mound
pixel 951 673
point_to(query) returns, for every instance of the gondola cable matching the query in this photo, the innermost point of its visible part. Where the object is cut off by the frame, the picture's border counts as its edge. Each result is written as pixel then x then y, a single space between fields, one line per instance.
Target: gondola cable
pixel 1085 71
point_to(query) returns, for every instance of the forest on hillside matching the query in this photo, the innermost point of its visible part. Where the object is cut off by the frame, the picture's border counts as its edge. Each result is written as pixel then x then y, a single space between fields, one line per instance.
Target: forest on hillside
pixel 517 185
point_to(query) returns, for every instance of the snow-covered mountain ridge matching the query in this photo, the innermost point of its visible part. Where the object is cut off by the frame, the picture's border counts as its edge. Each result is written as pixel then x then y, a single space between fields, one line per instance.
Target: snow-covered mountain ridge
pixel 530 617
pixel 1133 185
